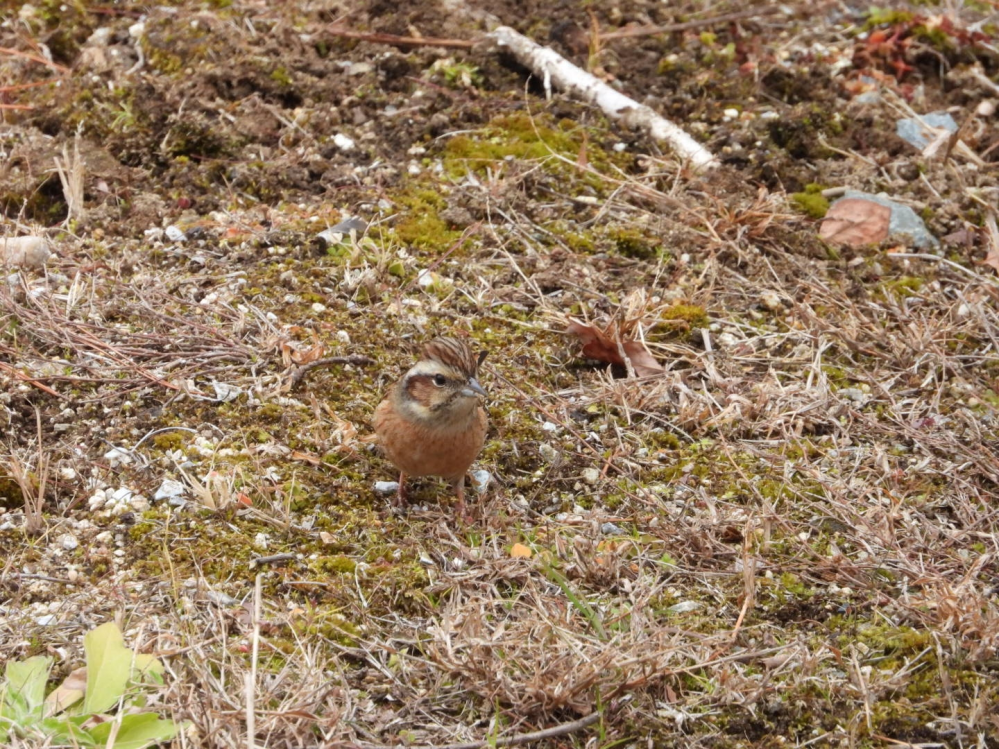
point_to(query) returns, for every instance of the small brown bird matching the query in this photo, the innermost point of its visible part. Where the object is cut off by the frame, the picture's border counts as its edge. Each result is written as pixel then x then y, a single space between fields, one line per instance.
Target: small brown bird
pixel 432 422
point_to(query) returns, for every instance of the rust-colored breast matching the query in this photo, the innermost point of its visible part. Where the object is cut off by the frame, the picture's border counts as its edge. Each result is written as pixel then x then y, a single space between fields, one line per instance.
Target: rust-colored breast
pixel 421 450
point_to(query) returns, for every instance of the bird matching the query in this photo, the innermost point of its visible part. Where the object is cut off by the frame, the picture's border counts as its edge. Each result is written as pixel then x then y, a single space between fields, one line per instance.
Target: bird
pixel 432 421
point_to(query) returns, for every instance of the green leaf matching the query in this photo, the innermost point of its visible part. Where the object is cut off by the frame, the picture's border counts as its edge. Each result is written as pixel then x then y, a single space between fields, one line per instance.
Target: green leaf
pixel 108 665
pixel 68 730
pixel 25 687
pixel 148 665
pixel 136 731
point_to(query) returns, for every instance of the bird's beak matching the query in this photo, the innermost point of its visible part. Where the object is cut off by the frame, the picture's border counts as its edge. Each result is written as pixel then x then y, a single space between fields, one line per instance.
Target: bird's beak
pixel 473 388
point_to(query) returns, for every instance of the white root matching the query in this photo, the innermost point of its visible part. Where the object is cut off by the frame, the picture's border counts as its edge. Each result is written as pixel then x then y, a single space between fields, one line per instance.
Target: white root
pixel 555 69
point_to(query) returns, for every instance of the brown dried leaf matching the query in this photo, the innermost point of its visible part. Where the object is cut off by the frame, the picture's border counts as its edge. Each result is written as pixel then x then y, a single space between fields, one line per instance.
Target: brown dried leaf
pixel 310 458
pixel 642 360
pixel 308 356
pixel 992 259
pixel 68 693
pixel 856 222
pixel 598 344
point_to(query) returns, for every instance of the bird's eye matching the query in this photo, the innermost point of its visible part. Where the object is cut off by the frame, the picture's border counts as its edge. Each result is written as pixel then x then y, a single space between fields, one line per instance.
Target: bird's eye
pixel 440 380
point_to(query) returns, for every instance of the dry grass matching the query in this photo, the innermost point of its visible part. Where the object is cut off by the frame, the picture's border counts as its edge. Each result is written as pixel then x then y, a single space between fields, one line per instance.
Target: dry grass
pixel 791 533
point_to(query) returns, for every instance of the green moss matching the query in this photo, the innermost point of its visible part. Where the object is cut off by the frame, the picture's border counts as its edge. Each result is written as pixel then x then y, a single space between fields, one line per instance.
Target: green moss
pixel 419 223
pixel 281 76
pixel 338 565
pixel 169 440
pixel 877 16
pixel 522 137
pixel 903 287
pixel 633 243
pixel 693 315
pixel 811 202
pixel 10 493
pixel 793 584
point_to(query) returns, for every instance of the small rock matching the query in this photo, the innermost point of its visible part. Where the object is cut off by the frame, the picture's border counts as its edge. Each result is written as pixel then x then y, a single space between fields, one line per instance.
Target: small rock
pixel 903 222
pixel 549 453
pixel 118 455
pixel 771 300
pixel 610 529
pixel 343 142
pixel 175 234
pixel 170 489
pixel 25 252
pixel 224 392
pixel 386 487
pixel 481 480
pixel 918 131
pixel 854 394
pixel 68 541
pixel 336 234
pixel 46 620
pixel 591 475
pixel 684 606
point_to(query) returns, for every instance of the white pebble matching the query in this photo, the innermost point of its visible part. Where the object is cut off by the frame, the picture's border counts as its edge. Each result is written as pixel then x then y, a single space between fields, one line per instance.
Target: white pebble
pixel 27 252
pixel 344 143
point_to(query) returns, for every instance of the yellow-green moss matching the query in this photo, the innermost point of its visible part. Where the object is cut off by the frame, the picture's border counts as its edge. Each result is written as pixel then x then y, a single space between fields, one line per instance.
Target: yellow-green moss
pixel 419 223
pixel 693 315
pixel 811 202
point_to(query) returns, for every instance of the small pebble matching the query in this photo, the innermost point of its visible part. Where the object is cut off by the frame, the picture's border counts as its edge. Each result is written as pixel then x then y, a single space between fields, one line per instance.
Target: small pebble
pixel 175 234
pixel 591 475
pixel 771 300
pixel 480 480
pixel 170 489
pixel 386 487
pixel 610 529
pixel 684 606
pixel 27 252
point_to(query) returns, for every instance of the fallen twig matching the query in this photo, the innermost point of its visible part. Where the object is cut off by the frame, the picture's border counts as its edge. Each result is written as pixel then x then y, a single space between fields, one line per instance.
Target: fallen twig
pixel 553 68
pixel 24 378
pixel 34 58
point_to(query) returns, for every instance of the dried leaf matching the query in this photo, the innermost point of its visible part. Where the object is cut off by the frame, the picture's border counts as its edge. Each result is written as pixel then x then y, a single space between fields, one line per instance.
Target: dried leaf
pixel 519 551
pixel 310 458
pixel 645 363
pixel 992 259
pixel 68 693
pixel 597 344
pixel 856 222
pixel 311 354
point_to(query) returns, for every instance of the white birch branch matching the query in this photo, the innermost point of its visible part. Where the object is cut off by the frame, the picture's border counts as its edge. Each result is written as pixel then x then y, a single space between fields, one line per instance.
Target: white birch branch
pixel 553 68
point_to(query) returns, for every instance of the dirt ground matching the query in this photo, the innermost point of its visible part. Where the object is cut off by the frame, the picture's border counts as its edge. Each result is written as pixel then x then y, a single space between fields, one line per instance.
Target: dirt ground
pixel 760 511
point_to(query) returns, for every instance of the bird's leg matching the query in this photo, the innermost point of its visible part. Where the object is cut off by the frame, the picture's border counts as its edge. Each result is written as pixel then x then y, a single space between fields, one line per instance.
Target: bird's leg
pixel 460 509
pixel 400 496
